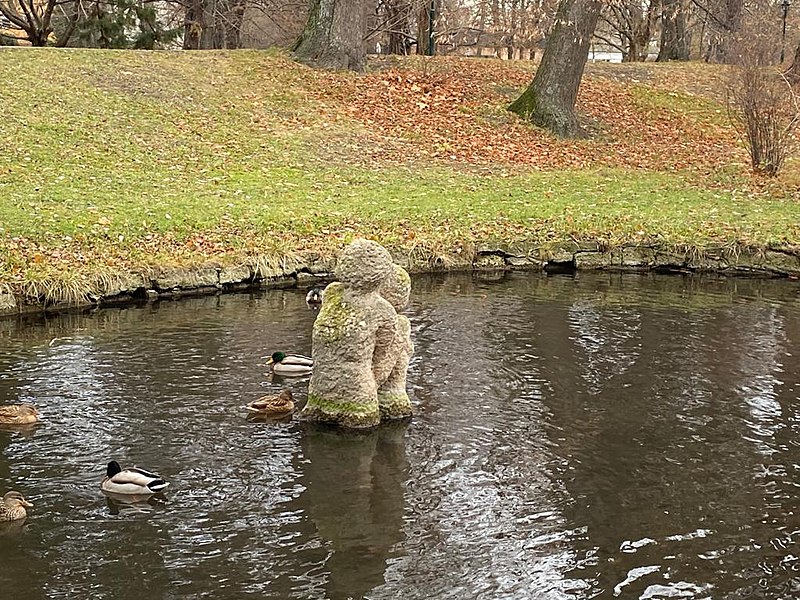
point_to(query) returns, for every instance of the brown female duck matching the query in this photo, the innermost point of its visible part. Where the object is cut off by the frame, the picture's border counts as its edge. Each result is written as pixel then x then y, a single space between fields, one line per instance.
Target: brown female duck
pixel 273 406
pixel 13 506
pixel 18 414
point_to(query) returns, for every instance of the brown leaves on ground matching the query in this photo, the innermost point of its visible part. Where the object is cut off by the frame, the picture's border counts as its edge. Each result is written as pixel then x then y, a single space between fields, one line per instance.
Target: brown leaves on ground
pixel 454 110
pixel 407 111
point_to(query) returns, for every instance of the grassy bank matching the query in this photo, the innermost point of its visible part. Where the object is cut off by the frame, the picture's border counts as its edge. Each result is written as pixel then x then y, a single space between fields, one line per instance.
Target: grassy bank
pixel 124 161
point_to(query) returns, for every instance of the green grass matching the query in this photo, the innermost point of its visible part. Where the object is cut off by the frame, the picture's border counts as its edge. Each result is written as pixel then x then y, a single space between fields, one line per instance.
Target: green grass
pixel 115 161
pixel 703 111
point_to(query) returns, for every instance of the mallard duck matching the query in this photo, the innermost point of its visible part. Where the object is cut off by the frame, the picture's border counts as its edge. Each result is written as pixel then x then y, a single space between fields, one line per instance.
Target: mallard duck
pixel 269 406
pixel 131 481
pixel 13 507
pixel 290 364
pixel 18 414
pixel 314 296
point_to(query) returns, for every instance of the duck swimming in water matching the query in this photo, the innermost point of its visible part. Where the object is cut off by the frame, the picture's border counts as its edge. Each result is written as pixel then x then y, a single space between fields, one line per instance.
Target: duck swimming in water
pixel 13 506
pixel 290 364
pixel 314 297
pixel 131 481
pixel 18 414
pixel 272 406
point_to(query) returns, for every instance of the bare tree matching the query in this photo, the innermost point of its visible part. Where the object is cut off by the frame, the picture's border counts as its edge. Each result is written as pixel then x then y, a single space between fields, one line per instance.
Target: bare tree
pixel 213 24
pixel 549 101
pixel 765 112
pixel 333 36
pixel 674 31
pixel 761 101
pixel 630 26
pixel 793 72
pixel 393 22
pixel 261 23
pixel 35 19
pixel 725 18
pixel 509 28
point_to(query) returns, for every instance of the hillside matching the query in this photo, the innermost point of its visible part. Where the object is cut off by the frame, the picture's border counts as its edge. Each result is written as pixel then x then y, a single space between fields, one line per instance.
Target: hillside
pixel 118 164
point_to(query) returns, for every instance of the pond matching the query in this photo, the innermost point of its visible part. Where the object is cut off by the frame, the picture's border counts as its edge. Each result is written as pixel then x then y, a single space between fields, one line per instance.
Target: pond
pixel 587 436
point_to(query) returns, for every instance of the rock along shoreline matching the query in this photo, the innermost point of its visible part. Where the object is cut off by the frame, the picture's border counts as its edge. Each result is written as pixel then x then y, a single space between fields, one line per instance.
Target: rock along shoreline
pixel 175 282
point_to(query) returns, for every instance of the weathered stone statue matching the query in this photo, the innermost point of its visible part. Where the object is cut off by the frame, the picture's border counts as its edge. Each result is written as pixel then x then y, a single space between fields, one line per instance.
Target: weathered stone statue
pixel 354 341
pixel 393 400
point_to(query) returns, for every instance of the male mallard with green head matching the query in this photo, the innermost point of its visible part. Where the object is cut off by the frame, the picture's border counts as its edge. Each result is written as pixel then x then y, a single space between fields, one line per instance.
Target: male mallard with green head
pixel 290 364
pixel 18 414
pixel 13 506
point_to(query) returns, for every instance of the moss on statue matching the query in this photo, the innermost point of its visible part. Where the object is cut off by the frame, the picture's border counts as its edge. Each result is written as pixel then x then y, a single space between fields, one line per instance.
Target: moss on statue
pixel 335 316
pixel 393 405
pixel 402 274
pixel 346 414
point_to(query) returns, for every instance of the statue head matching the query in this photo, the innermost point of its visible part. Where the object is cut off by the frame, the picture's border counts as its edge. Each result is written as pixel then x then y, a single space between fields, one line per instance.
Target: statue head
pixel 364 265
pixel 397 288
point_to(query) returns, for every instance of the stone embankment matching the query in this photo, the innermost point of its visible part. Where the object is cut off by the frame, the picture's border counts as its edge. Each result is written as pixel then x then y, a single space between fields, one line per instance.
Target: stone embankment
pixel 212 279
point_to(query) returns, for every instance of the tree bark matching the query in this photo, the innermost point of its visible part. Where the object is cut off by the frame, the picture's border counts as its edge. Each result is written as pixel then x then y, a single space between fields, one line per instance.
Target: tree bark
pixel 424 29
pixel 73 14
pixel 728 23
pixel 333 36
pixel 793 72
pixel 674 36
pixel 194 25
pixel 234 17
pixel 643 32
pixel 549 101
pixel 398 15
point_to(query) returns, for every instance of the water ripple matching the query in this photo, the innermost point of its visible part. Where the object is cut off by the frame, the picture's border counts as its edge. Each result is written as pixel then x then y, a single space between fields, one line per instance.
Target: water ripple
pixel 578 437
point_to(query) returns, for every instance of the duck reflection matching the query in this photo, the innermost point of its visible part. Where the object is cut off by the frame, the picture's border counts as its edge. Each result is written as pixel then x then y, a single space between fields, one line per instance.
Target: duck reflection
pixel 21 561
pixel 354 496
pixel 133 503
pixel 25 431
pixel 10 529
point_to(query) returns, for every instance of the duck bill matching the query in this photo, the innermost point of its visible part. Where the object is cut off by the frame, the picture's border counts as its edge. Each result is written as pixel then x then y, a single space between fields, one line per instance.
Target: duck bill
pixel 270 361
pixel 26 504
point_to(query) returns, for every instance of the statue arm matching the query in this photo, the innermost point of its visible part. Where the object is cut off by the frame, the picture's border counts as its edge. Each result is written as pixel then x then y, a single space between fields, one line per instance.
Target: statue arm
pixel 388 346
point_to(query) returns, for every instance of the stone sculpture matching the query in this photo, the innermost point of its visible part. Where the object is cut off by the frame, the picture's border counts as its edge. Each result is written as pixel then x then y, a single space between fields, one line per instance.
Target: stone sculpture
pixel 393 400
pixel 355 342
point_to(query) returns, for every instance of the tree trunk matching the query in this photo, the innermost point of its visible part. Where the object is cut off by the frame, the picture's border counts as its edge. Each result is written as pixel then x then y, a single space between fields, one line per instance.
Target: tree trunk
pixel 549 101
pixel 424 26
pixel 643 32
pixel 793 72
pixel 232 23
pixel 32 18
pixel 398 14
pixel 38 37
pixel 333 36
pixel 722 50
pixel 204 26
pixel 194 25
pixel 674 37
pixel 72 21
pixel 630 52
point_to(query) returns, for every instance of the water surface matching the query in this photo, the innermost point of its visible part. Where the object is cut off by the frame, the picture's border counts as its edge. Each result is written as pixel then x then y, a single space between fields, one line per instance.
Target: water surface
pixel 596 436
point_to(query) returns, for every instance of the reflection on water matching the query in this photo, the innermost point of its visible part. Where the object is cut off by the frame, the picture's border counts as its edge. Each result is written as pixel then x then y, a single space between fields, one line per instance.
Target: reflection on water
pixel 597 436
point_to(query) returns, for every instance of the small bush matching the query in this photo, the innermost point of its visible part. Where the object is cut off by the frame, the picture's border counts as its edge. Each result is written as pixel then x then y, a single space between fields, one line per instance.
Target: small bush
pixel 762 105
